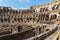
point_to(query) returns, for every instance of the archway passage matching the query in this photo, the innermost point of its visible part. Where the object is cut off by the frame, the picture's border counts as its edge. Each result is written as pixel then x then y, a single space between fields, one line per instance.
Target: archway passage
pixel 59 12
pixel 39 30
pixel 19 28
pixel 53 17
pixel 47 17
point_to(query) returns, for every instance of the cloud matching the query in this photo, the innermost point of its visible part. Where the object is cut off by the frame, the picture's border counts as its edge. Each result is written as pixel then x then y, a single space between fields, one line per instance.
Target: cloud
pixel 24 1
pixel 19 8
pixel 24 8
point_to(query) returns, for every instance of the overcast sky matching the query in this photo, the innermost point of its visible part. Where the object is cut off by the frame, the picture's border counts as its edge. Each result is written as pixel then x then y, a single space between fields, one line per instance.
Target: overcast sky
pixel 20 4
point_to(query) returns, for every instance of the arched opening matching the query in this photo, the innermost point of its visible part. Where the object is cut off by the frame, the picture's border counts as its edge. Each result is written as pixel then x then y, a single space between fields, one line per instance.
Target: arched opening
pixel 57 7
pixel 57 38
pixel 53 8
pixel 59 12
pixel 39 30
pixel 47 17
pixel 47 29
pixel 43 9
pixel 40 9
pixel 19 28
pixel 53 16
pixel 47 9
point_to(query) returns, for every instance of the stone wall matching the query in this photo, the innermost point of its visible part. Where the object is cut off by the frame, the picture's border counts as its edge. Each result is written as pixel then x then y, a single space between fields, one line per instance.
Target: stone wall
pixel 18 36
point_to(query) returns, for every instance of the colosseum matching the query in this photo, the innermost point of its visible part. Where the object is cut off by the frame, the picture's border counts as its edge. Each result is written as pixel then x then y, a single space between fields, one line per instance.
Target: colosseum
pixel 41 22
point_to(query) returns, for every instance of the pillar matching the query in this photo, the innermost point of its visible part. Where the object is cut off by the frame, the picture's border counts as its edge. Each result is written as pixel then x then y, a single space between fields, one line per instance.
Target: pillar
pixel 41 30
pixel 14 30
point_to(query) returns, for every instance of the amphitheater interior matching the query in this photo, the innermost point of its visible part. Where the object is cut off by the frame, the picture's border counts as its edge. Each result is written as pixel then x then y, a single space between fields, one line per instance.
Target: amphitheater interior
pixel 41 22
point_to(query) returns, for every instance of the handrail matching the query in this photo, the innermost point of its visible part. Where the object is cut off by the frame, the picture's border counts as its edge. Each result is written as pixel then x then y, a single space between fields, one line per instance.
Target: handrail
pixel 44 35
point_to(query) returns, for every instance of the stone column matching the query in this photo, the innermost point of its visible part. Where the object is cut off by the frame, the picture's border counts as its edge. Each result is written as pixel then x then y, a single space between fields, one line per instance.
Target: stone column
pixel 40 17
pixel 14 30
pixel 41 30
pixel 45 18
pixel 44 28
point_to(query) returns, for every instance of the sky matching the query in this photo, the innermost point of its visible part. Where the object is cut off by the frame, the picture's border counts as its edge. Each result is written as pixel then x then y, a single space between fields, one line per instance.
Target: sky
pixel 22 4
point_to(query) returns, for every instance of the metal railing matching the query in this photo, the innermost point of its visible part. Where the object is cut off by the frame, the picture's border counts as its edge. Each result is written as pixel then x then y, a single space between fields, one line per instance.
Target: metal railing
pixel 44 35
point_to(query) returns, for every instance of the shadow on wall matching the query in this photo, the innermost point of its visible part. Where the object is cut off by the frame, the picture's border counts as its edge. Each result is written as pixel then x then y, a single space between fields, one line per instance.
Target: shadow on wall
pixel 19 36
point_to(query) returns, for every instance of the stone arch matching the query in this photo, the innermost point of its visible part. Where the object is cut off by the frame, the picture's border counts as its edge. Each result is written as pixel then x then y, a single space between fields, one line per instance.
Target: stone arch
pixel 59 4
pixel 46 8
pixel 43 9
pixel 29 27
pixel 19 28
pixel 53 8
pixel 53 16
pixel 40 9
pixel 59 13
